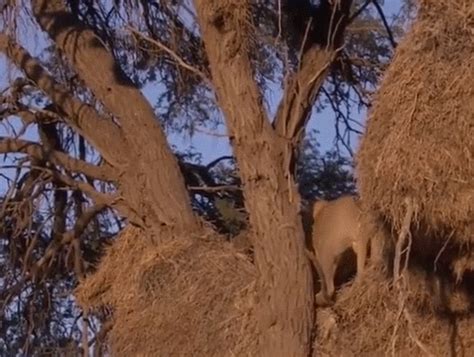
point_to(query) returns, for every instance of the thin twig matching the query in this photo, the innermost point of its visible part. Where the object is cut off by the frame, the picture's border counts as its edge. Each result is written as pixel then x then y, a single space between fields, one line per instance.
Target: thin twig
pixel 443 248
pixel 79 227
pixel 385 23
pixel 279 22
pixel 219 159
pixel 215 188
pixel 402 237
pixel 172 53
pixel 358 12
pixel 210 133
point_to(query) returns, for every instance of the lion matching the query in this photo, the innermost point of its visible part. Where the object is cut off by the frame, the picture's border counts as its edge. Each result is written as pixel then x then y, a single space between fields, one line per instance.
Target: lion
pixel 336 227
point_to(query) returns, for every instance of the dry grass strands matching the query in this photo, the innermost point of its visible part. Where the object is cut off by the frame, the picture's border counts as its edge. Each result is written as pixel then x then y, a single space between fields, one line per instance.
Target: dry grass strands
pixel 419 142
pixel 188 297
pixel 367 321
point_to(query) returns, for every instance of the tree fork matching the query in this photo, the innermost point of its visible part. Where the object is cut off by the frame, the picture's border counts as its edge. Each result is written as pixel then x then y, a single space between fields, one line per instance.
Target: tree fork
pixel 285 282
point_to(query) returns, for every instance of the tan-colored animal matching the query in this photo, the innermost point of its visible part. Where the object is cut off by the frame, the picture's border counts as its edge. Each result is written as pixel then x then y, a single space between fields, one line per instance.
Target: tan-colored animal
pixel 336 228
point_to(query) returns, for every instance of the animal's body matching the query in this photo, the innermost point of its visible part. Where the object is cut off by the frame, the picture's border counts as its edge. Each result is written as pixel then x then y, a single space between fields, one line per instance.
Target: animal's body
pixel 337 226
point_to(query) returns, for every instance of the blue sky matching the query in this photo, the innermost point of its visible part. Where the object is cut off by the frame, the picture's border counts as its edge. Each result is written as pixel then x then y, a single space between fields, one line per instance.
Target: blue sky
pixel 211 144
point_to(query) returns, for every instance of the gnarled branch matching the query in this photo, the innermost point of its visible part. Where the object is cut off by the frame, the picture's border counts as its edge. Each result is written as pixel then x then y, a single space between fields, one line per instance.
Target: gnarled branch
pixel 101 133
pixel 301 92
pixel 36 151
pixel 55 245
pixel 111 200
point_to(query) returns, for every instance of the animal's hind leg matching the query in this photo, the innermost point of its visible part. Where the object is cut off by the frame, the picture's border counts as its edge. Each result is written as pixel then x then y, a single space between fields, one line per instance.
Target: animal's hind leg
pixel 328 270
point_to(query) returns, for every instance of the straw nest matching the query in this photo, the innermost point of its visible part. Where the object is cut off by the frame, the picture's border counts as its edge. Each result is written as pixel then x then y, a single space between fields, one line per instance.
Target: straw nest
pixel 419 143
pixel 187 297
pixel 375 319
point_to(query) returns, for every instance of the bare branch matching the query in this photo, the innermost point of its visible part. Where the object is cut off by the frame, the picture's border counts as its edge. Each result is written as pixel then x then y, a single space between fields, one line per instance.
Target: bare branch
pixel 55 245
pixel 37 152
pixel 113 201
pixel 359 11
pixel 170 52
pixel 89 190
pixel 219 159
pixel 301 92
pixel 214 188
pixel 83 118
pixel 385 23
pixel 210 133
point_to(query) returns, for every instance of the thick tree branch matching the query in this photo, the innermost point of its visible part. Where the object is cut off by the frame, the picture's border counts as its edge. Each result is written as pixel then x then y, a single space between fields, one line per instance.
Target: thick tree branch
pixel 103 134
pixel 232 70
pixel 303 87
pixel 155 174
pixel 58 158
pixel 301 92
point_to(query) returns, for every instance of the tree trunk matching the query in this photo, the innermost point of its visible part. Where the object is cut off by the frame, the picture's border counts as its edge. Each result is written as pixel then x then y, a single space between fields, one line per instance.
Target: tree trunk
pixel 285 310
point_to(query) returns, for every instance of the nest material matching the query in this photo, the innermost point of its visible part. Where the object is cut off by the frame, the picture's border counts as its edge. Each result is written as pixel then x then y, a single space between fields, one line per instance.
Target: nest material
pixel 419 142
pixel 375 319
pixel 187 297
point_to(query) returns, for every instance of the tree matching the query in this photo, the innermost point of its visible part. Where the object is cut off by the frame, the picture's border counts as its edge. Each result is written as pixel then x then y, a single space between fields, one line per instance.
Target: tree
pixel 102 159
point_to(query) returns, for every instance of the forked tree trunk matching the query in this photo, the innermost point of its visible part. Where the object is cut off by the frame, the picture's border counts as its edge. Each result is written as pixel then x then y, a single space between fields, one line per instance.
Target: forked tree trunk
pixel 285 310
